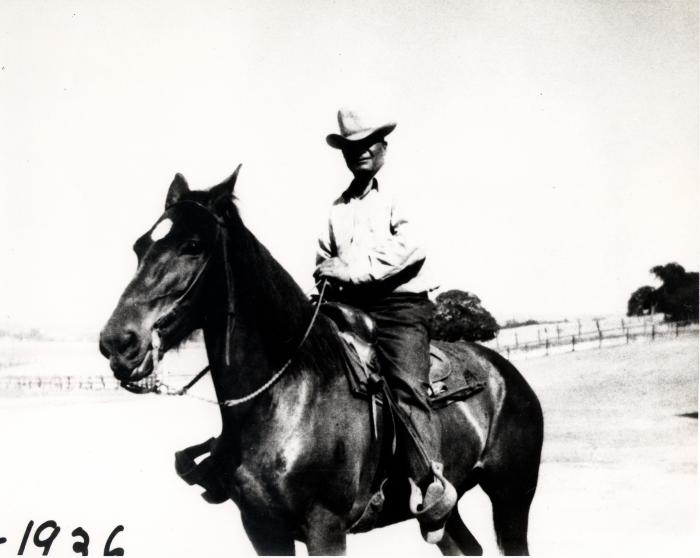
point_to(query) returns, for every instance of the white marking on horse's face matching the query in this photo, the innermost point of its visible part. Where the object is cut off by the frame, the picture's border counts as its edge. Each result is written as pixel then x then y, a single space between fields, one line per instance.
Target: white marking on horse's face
pixel 161 229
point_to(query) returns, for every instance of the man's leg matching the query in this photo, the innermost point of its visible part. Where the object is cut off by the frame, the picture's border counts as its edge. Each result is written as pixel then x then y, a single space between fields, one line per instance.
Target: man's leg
pixel 403 348
pixel 403 352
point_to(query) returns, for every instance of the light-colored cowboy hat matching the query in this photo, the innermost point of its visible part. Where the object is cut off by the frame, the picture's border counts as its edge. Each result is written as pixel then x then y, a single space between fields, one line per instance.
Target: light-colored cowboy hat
pixel 352 130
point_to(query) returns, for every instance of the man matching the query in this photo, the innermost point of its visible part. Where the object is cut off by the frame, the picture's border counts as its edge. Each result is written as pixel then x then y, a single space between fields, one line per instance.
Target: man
pixel 373 260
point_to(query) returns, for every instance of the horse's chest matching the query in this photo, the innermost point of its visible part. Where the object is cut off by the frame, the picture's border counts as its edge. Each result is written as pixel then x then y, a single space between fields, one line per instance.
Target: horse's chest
pixel 250 490
pixel 266 480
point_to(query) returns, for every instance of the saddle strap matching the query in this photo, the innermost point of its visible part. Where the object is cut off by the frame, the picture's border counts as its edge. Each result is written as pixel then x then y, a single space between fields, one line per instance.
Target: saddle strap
pixel 370 515
pixel 413 436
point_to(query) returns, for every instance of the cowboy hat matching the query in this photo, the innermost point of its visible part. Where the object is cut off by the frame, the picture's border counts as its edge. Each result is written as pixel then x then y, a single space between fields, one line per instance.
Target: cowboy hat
pixel 352 130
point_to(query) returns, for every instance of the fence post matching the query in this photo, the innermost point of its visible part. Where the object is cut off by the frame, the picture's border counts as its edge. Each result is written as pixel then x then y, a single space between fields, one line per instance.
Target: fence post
pixel 546 346
pixel 516 340
pixel 627 335
pixel 653 331
pixel 600 334
pixel 573 343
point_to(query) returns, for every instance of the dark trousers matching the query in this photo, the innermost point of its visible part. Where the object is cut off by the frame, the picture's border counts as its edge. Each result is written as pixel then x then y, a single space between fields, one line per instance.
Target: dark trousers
pixel 403 351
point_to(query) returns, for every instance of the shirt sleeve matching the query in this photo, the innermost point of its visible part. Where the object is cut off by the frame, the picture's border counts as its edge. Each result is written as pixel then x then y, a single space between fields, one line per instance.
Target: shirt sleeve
pixel 388 256
pixel 325 244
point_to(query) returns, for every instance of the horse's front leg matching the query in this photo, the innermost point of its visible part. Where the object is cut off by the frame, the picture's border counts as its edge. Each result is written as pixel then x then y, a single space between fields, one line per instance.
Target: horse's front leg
pixel 325 533
pixel 268 539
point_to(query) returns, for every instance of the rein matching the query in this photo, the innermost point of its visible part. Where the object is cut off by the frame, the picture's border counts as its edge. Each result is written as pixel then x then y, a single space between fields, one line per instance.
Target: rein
pixel 160 387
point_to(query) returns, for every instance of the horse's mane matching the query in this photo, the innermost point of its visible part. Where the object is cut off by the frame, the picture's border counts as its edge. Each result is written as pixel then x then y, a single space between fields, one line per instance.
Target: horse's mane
pixel 282 308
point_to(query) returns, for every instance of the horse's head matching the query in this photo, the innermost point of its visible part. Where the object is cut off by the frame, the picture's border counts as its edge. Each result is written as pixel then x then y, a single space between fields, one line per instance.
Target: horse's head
pixel 167 293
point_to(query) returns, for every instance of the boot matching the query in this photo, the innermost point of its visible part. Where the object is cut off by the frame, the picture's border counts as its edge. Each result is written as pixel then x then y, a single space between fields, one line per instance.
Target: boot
pixel 433 509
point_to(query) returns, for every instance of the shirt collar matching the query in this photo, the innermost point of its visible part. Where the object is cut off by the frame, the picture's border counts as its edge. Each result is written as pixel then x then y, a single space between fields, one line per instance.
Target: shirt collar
pixel 347 195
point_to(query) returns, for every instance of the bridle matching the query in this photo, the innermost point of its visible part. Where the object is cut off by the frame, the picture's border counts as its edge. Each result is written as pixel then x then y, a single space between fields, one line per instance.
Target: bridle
pixel 222 239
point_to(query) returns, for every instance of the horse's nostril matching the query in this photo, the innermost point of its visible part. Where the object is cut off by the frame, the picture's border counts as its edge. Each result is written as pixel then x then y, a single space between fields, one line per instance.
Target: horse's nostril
pixel 123 343
pixel 128 343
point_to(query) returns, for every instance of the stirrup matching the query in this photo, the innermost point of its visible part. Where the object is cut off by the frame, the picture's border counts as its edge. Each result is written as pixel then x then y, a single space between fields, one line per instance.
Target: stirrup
pixel 433 510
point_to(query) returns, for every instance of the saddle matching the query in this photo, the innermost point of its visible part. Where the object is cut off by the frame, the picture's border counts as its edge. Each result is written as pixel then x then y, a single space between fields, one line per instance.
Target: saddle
pixel 455 374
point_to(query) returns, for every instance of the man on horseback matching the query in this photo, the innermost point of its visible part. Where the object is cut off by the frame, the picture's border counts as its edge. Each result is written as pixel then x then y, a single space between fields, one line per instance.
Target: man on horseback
pixel 372 261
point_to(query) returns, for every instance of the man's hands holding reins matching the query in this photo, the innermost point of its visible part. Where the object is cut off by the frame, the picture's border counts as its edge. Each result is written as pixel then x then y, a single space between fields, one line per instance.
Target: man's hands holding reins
pixel 333 269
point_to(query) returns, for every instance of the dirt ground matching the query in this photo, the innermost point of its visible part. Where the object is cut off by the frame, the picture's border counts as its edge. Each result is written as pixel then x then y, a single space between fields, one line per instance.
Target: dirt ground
pixel 619 471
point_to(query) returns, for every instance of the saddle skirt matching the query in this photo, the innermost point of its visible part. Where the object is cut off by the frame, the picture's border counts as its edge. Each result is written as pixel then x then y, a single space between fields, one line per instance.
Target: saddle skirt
pixel 454 372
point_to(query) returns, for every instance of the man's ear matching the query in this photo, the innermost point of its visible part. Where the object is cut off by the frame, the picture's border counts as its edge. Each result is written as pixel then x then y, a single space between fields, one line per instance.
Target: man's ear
pixel 178 188
pixel 225 189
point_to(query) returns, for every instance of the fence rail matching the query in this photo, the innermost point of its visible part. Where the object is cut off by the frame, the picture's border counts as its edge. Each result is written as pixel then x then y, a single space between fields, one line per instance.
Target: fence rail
pixel 598 338
pixel 20 384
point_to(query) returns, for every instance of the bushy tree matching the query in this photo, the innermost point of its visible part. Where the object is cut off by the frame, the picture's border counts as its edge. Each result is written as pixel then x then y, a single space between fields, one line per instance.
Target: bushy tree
pixel 460 315
pixel 641 302
pixel 677 297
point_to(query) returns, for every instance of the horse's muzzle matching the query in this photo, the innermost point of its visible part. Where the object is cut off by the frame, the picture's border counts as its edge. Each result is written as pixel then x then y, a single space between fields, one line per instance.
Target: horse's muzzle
pixel 126 353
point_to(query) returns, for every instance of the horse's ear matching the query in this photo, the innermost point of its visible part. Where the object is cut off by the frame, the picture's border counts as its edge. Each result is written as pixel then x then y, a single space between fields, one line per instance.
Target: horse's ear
pixel 178 188
pixel 225 189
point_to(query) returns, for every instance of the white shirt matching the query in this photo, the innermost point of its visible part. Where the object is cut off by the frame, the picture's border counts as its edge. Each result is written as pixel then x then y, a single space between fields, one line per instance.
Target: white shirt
pixel 375 239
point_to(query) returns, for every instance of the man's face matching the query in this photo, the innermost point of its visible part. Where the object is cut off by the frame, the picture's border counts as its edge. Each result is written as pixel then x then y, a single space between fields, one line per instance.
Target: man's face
pixel 365 159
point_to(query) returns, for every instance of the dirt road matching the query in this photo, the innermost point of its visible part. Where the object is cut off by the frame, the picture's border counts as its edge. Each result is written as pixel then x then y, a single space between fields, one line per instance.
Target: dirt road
pixel 618 474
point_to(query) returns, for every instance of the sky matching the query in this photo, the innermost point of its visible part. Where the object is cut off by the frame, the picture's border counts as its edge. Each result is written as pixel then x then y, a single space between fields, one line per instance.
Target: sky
pixel 549 149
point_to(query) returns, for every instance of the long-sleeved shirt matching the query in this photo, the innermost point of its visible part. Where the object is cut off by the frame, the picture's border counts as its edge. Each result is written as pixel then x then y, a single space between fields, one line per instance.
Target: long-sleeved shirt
pixel 376 240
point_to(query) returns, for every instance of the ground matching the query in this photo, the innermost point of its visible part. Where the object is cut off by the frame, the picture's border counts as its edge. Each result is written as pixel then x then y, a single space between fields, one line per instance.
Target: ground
pixel 618 473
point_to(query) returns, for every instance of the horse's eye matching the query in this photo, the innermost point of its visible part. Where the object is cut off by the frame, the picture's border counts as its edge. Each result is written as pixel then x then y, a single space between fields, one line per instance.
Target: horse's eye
pixel 193 246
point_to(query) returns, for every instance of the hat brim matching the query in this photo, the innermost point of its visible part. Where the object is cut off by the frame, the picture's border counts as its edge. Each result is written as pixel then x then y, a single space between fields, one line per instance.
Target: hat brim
pixel 338 141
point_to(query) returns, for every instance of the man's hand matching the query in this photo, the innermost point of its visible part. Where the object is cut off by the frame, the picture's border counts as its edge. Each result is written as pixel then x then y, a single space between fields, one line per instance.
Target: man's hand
pixel 334 269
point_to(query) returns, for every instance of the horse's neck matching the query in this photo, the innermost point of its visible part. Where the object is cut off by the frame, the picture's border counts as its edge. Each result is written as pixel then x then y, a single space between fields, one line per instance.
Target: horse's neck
pixel 271 315
pixel 268 301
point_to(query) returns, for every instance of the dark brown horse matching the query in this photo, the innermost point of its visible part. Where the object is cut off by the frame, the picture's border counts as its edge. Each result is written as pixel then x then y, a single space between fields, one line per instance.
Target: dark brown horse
pixel 299 457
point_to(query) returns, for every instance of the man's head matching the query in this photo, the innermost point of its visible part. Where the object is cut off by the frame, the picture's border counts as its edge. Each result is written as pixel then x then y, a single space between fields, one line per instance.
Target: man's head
pixel 363 146
pixel 364 159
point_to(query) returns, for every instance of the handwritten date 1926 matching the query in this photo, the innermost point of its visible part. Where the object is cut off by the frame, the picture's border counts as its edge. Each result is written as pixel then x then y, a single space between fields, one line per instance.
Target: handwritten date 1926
pixel 46 533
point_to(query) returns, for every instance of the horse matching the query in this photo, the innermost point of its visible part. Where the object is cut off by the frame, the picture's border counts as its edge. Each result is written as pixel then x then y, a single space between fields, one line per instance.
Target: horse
pixel 296 446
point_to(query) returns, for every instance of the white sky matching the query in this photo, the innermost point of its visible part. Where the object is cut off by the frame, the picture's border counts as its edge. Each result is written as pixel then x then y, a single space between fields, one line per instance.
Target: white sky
pixel 551 148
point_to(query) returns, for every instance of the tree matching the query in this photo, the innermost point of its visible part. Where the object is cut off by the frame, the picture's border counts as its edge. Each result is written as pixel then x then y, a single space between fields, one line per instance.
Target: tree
pixel 641 302
pixel 459 315
pixel 677 297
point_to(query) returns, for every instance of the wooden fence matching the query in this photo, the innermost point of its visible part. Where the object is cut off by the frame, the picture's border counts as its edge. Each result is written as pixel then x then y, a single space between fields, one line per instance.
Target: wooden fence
pixel 627 332
pixel 14 383
pixel 550 340
pixel 38 385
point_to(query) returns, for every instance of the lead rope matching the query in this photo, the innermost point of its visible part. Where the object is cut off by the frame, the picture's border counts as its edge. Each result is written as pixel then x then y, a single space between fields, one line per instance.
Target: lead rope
pixel 163 388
